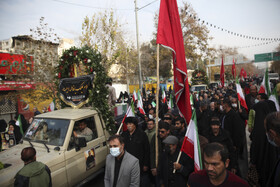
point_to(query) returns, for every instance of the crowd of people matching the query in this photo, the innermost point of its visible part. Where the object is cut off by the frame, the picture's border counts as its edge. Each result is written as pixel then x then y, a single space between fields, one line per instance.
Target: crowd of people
pixel 220 119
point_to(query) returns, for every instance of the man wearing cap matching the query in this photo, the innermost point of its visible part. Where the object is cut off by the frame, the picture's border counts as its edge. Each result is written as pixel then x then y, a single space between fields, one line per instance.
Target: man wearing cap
pixel 137 144
pixel 217 134
pixel 168 162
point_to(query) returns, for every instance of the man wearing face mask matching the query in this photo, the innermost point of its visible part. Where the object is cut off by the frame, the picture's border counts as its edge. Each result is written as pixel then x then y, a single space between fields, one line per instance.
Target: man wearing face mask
pixel 122 169
pixel 262 153
pixel 137 143
pixel 167 163
pixel 272 128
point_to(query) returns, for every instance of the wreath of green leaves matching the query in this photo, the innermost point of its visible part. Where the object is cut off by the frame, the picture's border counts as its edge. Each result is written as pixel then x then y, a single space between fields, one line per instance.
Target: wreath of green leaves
pixel 98 95
pixel 199 77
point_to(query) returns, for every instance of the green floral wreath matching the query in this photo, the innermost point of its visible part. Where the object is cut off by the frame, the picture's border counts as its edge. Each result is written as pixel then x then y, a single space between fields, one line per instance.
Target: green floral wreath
pixel 98 95
pixel 199 77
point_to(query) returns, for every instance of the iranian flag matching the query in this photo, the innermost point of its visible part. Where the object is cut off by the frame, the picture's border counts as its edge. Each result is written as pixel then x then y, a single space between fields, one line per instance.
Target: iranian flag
pixel 191 145
pixel 51 106
pixel 163 96
pixel 274 97
pixel 265 87
pixel 129 113
pixel 134 96
pixel 170 102
pixel 240 95
pixel 140 103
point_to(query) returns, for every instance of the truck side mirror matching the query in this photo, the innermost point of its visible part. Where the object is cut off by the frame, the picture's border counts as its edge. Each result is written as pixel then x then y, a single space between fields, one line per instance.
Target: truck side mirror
pixel 80 142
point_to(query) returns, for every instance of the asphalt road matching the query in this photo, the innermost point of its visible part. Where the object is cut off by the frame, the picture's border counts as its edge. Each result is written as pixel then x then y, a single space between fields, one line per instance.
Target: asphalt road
pixel 96 182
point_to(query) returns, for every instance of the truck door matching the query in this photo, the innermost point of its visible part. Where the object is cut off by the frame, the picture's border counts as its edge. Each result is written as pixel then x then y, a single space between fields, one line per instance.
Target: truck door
pixel 82 162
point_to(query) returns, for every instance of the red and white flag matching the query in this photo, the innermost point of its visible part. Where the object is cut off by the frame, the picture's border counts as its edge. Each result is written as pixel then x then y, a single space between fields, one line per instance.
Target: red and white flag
pixel 191 145
pixel 240 96
pixel 170 36
pixel 222 73
pixel 129 113
pixel 140 103
pixel 163 96
pixel 265 86
pixel 134 96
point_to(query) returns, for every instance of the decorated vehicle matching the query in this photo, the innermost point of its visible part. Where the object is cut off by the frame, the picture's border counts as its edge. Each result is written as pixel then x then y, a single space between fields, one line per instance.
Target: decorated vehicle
pixel 51 134
pixel 72 142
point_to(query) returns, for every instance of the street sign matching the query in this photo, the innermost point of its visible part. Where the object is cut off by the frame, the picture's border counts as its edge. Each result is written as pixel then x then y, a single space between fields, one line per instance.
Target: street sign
pixel 273 56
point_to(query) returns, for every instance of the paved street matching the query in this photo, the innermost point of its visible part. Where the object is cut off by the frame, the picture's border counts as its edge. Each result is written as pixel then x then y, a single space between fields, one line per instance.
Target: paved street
pixel 97 182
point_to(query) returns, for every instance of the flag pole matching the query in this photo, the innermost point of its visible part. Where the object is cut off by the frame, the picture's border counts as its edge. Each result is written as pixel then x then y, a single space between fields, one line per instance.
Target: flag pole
pixel 118 132
pixel 120 128
pixel 157 104
pixel 179 156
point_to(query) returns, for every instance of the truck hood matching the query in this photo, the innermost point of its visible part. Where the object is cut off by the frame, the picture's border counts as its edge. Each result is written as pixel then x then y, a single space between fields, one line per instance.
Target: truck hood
pixel 12 157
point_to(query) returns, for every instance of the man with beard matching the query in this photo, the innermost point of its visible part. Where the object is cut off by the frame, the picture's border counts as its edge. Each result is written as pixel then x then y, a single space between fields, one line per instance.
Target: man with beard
pixel 137 144
pixel 216 161
pixel 262 154
pixel 217 134
pixel 251 97
pixel 180 128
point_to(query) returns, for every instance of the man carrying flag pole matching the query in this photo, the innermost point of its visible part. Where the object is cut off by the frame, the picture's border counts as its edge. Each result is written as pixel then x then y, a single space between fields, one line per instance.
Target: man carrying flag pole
pixel 129 113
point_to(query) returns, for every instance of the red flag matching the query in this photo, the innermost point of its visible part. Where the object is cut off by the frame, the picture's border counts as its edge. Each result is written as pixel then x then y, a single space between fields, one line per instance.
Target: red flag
pixel 170 35
pixel 233 69
pixel 222 73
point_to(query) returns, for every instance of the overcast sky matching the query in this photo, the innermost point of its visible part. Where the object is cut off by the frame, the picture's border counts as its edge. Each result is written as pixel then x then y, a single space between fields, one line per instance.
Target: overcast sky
pixel 257 18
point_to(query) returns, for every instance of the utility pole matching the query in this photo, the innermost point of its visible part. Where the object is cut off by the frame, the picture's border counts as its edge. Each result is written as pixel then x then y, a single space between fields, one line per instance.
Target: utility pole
pixel 138 48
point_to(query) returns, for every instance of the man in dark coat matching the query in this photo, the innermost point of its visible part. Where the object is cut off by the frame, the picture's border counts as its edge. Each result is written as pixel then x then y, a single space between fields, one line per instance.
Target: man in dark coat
pixel 203 118
pixel 272 127
pixel 137 144
pixel 233 124
pixel 217 134
pixel 168 163
pixel 262 154
pixel 251 97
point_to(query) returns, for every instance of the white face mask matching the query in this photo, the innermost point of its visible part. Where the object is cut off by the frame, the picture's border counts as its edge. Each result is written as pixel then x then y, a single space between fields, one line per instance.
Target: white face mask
pixel 115 151
pixel 221 108
pixel 151 116
pixel 234 105
pixel 256 100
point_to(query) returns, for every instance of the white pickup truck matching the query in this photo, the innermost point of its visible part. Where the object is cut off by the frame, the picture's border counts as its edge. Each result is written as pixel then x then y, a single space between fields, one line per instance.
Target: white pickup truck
pixel 51 134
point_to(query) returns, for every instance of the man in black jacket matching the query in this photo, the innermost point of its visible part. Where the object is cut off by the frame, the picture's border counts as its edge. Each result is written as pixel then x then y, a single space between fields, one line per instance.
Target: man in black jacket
pixel 217 134
pixel 137 143
pixel 168 162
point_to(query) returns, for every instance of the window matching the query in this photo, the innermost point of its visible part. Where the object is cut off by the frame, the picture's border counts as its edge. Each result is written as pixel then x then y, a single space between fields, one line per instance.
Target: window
pixel 84 128
pixel 49 131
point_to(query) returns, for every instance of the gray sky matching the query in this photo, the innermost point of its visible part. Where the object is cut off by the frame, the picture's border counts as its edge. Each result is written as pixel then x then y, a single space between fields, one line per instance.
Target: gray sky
pixel 257 18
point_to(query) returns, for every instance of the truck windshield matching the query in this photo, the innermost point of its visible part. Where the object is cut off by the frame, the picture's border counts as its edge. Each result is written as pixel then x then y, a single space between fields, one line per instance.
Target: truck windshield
pixel 50 131
pixel 198 88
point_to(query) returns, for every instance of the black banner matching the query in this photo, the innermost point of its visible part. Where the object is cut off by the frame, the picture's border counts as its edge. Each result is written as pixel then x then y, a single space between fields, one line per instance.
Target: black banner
pixel 75 91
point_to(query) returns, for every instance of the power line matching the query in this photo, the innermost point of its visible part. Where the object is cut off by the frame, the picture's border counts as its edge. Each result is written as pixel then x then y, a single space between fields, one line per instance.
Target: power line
pixel 147 5
pixel 93 7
